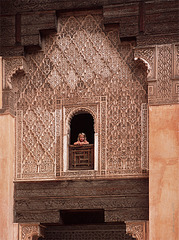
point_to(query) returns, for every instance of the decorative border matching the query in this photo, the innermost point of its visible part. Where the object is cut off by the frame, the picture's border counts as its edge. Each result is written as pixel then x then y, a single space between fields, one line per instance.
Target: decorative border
pixel 65 110
pixel 144 137
pixel 19 145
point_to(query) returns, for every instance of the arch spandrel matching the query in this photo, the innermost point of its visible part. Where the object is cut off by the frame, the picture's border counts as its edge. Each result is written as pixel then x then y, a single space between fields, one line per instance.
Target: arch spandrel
pixel 12 65
pixel 148 56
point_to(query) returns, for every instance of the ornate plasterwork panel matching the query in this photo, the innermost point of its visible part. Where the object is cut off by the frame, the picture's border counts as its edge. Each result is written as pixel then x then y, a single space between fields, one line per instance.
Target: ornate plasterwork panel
pixel 79 64
pixel 11 66
pixel 175 61
pixel 175 73
pixel 96 106
pixel 144 137
pixel 164 73
pixel 148 55
pixel 137 229
pixel 162 62
pixel 30 231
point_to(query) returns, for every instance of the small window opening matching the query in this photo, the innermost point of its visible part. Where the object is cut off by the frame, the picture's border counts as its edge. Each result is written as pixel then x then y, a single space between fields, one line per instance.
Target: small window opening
pixel 70 217
pixel 82 122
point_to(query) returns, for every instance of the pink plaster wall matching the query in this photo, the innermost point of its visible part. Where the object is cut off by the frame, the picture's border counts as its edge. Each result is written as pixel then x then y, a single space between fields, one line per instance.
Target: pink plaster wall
pixel 164 172
pixel 7 153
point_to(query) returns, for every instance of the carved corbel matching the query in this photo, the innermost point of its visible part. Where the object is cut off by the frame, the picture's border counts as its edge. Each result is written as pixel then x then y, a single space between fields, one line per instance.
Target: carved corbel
pixel 148 56
pixel 137 230
pixel 11 66
pixel 31 231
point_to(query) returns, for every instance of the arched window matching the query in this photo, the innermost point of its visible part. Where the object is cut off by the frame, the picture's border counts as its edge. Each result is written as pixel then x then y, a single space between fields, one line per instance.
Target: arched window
pixel 82 122
pixel 81 156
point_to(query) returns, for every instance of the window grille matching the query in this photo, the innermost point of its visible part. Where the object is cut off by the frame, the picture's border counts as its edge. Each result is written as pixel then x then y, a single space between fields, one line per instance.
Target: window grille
pixel 81 157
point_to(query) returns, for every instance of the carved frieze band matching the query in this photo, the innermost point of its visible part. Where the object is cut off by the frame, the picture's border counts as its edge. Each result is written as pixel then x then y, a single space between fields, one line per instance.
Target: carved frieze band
pixel 31 231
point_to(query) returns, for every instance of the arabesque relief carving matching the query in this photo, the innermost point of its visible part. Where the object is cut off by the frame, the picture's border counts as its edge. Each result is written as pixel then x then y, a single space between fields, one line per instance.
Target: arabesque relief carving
pixel 80 62
pixel 162 62
pixel 136 229
pixel 30 231
pixel 12 65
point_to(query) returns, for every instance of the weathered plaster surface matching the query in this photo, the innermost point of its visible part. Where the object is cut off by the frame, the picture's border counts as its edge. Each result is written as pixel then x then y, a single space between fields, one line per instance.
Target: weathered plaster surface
pixel 0 82
pixel 164 172
pixel 7 151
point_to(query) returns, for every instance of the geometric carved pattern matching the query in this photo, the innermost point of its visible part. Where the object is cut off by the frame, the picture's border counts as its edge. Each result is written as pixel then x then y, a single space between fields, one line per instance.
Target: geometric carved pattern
pixel 31 231
pixel 163 65
pixel 137 229
pixel 147 54
pixel 80 61
pixel 144 137
pixel 12 65
pixel 177 60
pixel 164 86
pixel 96 106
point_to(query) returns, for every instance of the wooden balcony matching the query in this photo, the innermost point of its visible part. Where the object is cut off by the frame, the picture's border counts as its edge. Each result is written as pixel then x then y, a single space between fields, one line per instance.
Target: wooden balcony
pixel 81 157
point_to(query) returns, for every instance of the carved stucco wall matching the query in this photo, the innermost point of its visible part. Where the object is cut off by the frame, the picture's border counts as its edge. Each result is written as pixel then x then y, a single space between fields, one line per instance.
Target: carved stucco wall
pixel 163 72
pixel 30 231
pixel 81 66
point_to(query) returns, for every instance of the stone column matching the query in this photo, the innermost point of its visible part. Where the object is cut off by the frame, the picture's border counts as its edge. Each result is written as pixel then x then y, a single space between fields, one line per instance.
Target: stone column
pixel 7 153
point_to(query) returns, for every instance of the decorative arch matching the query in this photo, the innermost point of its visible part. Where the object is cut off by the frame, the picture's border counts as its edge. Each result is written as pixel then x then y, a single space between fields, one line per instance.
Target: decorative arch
pixel 146 64
pixel 96 107
pixel 148 56
pixel 66 137
pixel 82 122
pixel 12 65
pixel 79 110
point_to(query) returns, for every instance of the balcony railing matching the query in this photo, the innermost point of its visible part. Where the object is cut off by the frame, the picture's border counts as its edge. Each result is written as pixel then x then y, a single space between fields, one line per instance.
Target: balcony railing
pixel 81 157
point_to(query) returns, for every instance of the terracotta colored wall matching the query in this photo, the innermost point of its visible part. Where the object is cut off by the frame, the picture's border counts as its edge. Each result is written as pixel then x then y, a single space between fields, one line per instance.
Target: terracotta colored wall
pixel 164 172
pixel 7 153
pixel 0 82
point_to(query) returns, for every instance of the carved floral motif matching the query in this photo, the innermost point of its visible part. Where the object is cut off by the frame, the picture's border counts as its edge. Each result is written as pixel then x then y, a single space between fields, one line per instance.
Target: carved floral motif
pixel 137 229
pixel 164 85
pixel 81 61
pixel 12 65
pixel 31 231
